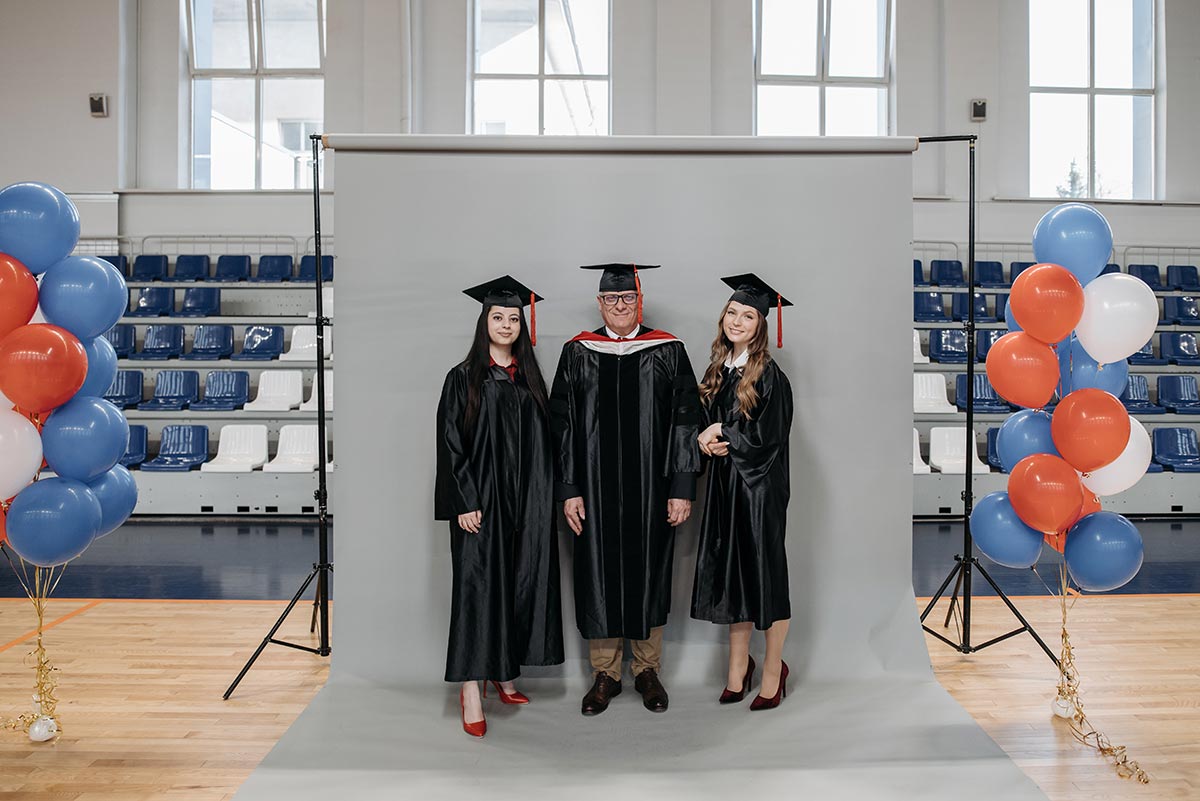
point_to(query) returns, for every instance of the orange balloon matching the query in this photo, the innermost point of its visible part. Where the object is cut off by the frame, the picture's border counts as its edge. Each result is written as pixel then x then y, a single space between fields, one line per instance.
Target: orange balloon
pixel 41 367
pixel 1057 541
pixel 1090 428
pixel 1091 503
pixel 18 294
pixel 3 530
pixel 1023 370
pixel 1047 302
pixel 1045 492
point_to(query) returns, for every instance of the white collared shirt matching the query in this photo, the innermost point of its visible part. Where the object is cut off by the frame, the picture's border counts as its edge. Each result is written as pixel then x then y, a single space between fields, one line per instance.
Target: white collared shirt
pixel 740 361
pixel 614 335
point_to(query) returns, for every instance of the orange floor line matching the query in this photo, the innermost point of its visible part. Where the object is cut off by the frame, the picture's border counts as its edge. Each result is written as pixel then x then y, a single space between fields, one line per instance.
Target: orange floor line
pixel 31 634
pixel 302 602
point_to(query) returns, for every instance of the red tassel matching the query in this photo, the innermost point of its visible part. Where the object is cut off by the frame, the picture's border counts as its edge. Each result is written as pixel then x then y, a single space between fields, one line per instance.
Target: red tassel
pixel 637 283
pixel 532 318
pixel 779 320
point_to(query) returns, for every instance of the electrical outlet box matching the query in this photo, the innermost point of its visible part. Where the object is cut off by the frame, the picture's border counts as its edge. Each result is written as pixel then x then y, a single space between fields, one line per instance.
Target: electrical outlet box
pixel 978 110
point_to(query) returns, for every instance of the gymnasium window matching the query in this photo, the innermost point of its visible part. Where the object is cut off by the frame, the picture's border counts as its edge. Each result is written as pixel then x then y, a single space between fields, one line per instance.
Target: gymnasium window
pixel 1091 99
pixel 540 67
pixel 822 67
pixel 258 91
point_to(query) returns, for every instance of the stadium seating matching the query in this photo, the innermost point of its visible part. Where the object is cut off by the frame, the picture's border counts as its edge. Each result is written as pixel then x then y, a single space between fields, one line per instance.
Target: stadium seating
pixel 1178 394
pixel 126 389
pixel 190 268
pixel 182 448
pixel 210 343
pixel 948 346
pixel 929 394
pixel 273 269
pixel 918 462
pixel 990 274
pixel 241 449
pixel 304 344
pixel 153 302
pixel 919 356
pixel 120 262
pixel 918 274
pixel 1146 355
pixel 224 391
pixel 1179 348
pixel 1177 449
pixel 948 451
pixel 1136 396
pixel 173 390
pixel 1110 268
pixel 135 453
pixel 1148 273
pixel 308 268
pixel 310 405
pixel 200 301
pixel 149 268
pixel 232 268
pixel 1183 277
pixel 162 342
pixel 297 450
pixel 1016 268
pixel 958 305
pixel 278 391
pixel 123 338
pixel 946 272
pixel 261 343
pixel 1181 310
pixel 929 307
pixel 993 453
pixel 984 341
pixel 986 399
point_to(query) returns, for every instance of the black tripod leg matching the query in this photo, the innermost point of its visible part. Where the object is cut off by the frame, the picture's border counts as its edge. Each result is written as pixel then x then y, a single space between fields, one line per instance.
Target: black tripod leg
pixel 953 600
pixel 271 633
pixel 1017 614
pixel 937 596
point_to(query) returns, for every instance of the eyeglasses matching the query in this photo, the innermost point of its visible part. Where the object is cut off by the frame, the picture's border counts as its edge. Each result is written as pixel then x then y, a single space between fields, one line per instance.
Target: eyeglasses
pixel 628 298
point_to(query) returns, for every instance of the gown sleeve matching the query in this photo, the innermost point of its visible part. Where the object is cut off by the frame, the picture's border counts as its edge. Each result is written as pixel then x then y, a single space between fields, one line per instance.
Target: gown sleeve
pixel 455 492
pixel 562 429
pixel 754 443
pixel 683 459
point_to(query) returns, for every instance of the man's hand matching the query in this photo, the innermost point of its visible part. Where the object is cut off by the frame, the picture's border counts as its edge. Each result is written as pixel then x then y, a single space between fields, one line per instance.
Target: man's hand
pixel 471 521
pixel 573 511
pixel 678 510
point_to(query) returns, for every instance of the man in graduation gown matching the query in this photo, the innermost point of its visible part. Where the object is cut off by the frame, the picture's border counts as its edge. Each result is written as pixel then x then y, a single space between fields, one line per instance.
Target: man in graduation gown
pixel 625 414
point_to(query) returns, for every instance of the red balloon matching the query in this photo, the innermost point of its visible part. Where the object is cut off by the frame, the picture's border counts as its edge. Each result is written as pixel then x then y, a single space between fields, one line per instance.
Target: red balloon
pixel 18 294
pixel 1091 503
pixel 1045 492
pixel 1090 428
pixel 41 367
pixel 1047 302
pixel 1023 370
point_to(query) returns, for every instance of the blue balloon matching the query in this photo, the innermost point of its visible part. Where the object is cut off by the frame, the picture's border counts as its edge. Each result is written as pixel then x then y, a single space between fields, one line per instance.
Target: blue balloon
pixel 39 225
pixel 117 492
pixel 1023 434
pixel 53 520
pixel 1103 552
pixel 1001 535
pixel 84 295
pixel 1078 370
pixel 84 438
pixel 102 367
pixel 1010 320
pixel 1075 236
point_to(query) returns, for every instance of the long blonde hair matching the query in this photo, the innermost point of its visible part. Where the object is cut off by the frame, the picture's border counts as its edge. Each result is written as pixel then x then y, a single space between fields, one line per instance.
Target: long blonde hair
pixel 722 348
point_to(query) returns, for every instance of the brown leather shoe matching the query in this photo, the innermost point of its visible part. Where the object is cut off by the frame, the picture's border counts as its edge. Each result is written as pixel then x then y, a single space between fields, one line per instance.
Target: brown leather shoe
pixel 654 695
pixel 604 689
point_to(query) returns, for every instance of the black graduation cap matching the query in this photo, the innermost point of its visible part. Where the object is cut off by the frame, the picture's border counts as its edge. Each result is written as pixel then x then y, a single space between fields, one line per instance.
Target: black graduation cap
pixel 751 290
pixel 509 292
pixel 619 277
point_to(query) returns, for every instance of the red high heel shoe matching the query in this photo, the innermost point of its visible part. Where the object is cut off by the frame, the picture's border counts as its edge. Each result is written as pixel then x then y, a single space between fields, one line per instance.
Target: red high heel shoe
pixel 770 703
pixel 728 696
pixel 516 697
pixel 477 729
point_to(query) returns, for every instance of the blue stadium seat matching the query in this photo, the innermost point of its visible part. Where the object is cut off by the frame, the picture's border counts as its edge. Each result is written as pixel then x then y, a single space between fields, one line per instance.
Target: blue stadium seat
pixel 211 342
pixel 1136 396
pixel 929 307
pixel 261 343
pixel 120 262
pixel 181 449
pixel 1017 267
pixel 1146 355
pixel 274 268
pixel 126 389
pixel 1179 348
pixel 173 390
pixel 948 346
pixel 161 342
pixel 224 391
pixel 1001 302
pixel 122 337
pixel 986 399
pixel 1110 268
pixel 153 302
pixel 1177 449
pixel 989 273
pixel 190 268
pixel 1148 273
pixel 149 268
pixel 946 272
pixel 1178 394
pixel 918 274
pixel 993 455
pixel 1181 311
pixel 984 341
pixel 232 268
pixel 958 308
pixel 308 268
pixel 200 301
pixel 135 453
pixel 1184 277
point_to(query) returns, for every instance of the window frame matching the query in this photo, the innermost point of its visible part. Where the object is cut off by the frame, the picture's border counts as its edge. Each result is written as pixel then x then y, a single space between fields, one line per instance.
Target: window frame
pixel 822 79
pixel 473 75
pixel 257 70
pixel 1091 91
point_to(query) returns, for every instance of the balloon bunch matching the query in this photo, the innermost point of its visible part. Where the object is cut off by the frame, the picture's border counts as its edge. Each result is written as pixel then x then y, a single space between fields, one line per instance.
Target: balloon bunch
pixel 52 375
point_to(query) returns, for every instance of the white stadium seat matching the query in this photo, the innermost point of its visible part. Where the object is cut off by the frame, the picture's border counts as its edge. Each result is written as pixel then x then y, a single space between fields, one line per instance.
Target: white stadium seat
pixel 304 344
pixel 919 466
pixel 948 452
pixel 242 448
pixel 297 450
pixel 929 394
pixel 918 356
pixel 310 405
pixel 278 391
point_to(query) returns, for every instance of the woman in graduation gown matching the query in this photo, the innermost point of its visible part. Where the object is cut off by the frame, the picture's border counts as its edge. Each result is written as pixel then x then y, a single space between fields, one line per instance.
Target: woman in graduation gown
pixel 495 487
pixel 741 563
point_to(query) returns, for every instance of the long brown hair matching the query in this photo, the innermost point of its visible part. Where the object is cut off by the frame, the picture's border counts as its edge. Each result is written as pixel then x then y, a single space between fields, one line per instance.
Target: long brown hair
pixel 722 348
pixel 479 358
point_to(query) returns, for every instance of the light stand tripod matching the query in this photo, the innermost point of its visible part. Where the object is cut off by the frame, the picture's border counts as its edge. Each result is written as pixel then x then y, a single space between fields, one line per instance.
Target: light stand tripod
pixel 966 562
pixel 322 568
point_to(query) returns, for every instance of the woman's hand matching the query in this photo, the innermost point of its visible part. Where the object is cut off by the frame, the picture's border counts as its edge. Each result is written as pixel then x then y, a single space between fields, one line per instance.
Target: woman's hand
pixel 708 440
pixel 471 521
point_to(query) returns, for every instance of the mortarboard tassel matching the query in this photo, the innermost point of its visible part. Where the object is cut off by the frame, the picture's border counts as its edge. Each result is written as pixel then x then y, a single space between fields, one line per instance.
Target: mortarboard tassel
pixel 779 319
pixel 532 319
pixel 637 283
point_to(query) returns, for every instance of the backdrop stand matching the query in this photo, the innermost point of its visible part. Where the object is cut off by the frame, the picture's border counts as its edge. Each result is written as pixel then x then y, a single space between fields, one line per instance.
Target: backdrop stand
pixel 322 568
pixel 966 562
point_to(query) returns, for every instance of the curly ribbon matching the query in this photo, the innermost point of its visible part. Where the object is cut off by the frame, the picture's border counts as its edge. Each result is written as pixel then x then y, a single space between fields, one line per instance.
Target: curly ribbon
pixel 44 581
pixel 1068 691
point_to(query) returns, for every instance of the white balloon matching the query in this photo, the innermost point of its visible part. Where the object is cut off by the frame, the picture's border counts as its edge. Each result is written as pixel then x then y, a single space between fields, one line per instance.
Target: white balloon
pixel 1129 467
pixel 1120 314
pixel 1062 707
pixel 42 729
pixel 5 403
pixel 21 446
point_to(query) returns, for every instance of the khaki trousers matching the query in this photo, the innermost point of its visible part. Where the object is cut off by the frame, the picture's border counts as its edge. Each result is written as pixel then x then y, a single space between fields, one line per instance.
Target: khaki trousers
pixel 606 654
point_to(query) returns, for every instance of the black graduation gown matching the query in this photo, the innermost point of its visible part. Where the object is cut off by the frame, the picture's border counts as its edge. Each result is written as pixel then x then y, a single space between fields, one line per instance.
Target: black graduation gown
pixel 625 431
pixel 505 606
pixel 741 563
